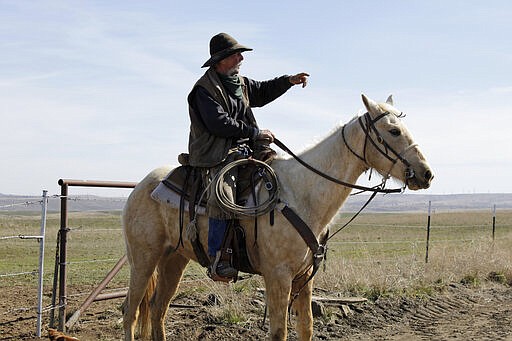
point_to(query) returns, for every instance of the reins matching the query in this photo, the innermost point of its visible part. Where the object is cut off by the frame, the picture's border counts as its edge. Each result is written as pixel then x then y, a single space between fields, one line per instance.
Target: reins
pixel 367 128
pixel 330 178
pixel 319 250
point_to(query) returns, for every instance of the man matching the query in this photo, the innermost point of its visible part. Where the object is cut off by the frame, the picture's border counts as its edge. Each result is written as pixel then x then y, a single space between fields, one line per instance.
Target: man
pixel 223 126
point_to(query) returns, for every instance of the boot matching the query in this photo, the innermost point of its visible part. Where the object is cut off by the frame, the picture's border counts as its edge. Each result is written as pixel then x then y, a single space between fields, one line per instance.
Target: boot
pixel 221 269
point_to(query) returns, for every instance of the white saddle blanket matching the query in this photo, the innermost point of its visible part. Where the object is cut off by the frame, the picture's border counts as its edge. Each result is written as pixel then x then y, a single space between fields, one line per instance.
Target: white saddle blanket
pixel 165 195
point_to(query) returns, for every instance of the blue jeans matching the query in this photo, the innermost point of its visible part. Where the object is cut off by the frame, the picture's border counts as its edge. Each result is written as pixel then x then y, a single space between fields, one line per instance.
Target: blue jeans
pixel 216 230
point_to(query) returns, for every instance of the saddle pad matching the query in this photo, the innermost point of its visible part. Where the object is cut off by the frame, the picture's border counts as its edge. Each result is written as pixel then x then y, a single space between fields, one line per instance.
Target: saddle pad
pixel 170 190
pixel 166 196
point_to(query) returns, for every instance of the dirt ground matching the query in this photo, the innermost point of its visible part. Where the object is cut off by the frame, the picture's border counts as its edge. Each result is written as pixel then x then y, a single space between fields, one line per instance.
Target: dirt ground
pixel 457 313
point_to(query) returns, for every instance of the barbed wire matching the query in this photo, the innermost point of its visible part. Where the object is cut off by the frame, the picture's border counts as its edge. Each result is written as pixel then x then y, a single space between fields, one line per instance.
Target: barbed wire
pixel 381 242
pixel 21 236
pixel 16 310
pixel 10 237
pixel 34 272
pixel 90 198
pixel 486 224
pixel 23 309
pixel 86 230
pixel 417 241
pixel 52 307
pixel 93 261
pixel 25 203
pixel 352 262
pixel 35 200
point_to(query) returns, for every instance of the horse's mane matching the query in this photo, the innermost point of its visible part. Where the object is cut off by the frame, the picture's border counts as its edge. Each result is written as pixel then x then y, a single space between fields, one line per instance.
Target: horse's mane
pixel 316 140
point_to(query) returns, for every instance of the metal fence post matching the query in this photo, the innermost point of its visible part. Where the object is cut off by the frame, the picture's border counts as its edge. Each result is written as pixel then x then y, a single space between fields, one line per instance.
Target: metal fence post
pixel 493 222
pixel 41 262
pixel 428 231
pixel 55 282
pixel 62 257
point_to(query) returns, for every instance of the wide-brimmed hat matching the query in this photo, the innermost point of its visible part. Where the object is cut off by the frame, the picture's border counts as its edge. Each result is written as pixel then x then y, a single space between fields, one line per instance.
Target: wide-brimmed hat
pixel 223 45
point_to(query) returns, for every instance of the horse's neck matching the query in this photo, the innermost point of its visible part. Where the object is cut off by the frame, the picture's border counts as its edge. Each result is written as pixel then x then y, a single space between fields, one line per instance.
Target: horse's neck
pixel 318 199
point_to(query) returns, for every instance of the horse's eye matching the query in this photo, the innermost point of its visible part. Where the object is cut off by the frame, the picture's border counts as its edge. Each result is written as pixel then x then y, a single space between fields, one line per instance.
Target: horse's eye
pixel 395 132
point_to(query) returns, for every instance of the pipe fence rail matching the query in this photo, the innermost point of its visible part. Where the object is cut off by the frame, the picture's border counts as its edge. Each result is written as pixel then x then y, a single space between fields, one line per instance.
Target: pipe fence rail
pixel 426 238
pixel 60 251
pixel 60 271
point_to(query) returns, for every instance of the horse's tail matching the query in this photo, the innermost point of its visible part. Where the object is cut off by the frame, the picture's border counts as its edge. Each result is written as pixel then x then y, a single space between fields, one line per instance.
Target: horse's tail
pixel 144 319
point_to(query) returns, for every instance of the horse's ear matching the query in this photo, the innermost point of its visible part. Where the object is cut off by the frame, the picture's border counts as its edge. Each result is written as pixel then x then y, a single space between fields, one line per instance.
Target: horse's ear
pixel 370 105
pixel 390 100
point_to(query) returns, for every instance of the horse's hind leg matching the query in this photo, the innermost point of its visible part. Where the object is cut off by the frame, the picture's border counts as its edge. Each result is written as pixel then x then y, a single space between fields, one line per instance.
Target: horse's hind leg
pixel 170 270
pixel 141 271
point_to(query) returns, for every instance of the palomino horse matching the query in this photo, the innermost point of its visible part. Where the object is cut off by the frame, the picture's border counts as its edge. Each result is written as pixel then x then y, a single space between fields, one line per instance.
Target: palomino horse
pixel 379 141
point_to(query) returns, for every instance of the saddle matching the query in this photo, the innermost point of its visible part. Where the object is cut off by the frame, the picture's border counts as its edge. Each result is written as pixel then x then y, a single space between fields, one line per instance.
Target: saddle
pixel 183 189
pixel 234 247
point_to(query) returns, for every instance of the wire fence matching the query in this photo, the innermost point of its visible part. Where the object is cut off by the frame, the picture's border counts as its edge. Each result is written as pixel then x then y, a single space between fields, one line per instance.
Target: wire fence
pixel 96 243
pixel 41 239
pixel 18 224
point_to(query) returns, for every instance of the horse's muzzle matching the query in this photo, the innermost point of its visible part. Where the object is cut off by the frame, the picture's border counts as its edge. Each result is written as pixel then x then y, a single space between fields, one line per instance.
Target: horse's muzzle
pixel 416 180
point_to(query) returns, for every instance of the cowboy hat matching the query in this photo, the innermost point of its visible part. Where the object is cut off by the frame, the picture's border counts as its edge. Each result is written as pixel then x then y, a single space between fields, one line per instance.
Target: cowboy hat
pixel 223 45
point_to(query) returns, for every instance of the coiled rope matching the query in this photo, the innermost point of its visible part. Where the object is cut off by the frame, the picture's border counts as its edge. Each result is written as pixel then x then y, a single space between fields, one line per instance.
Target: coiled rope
pixel 269 181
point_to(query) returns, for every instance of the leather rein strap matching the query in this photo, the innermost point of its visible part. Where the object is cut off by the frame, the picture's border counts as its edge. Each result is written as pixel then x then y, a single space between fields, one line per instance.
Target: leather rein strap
pixel 319 249
pixel 330 178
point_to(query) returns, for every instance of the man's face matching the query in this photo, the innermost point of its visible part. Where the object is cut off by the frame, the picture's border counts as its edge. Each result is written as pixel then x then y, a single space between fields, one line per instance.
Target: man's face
pixel 230 65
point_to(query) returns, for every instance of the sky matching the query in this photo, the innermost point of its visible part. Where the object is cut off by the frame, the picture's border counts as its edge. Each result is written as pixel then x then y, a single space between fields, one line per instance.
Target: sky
pixel 96 90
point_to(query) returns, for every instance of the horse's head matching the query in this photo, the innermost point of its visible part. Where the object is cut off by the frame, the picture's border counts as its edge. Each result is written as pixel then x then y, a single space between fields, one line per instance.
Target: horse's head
pixel 390 148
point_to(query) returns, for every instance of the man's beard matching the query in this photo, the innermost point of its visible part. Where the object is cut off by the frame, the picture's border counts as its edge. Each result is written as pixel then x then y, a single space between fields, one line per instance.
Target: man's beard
pixel 234 70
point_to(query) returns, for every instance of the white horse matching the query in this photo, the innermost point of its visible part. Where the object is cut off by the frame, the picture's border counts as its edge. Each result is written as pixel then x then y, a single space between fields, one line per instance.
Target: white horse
pixel 377 140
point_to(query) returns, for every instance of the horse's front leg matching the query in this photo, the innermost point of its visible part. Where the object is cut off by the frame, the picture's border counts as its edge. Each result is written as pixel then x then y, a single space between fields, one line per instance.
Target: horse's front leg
pixel 302 308
pixel 278 286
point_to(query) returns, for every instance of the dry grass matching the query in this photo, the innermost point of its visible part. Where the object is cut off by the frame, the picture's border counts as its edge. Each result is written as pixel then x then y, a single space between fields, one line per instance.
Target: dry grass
pixel 385 253
pixel 379 254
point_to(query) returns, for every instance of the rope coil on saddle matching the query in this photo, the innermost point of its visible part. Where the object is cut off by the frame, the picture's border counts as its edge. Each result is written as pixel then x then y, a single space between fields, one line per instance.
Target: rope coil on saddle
pixel 270 184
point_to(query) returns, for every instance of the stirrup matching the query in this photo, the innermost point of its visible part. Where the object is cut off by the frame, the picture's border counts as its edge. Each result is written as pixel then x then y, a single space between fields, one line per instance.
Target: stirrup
pixel 212 271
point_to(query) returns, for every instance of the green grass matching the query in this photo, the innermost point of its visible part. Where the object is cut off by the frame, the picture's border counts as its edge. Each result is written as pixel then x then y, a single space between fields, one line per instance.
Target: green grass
pixel 95 244
pixel 377 255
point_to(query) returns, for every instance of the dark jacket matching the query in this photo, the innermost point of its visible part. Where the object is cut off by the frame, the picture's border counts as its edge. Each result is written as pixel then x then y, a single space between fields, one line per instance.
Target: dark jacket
pixel 218 119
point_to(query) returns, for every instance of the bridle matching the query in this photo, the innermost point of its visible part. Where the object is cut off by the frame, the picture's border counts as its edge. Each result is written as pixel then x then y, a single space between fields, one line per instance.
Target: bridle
pixel 368 126
pixel 319 249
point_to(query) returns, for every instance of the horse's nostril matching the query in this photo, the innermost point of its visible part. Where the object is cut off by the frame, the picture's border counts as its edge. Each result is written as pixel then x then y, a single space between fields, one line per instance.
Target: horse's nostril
pixel 428 175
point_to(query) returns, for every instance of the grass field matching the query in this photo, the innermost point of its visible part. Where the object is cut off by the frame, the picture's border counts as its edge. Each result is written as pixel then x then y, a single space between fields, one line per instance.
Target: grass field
pixel 386 252
pixel 379 254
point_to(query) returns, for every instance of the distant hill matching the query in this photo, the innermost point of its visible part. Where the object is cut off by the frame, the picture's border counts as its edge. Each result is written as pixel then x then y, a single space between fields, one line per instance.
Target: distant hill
pixel 381 203
pixel 75 203
pixel 419 202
